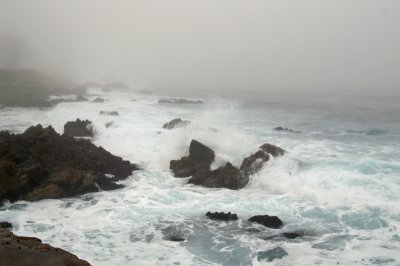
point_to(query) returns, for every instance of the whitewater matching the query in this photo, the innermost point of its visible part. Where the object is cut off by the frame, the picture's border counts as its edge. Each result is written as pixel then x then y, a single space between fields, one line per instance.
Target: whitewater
pixel 339 184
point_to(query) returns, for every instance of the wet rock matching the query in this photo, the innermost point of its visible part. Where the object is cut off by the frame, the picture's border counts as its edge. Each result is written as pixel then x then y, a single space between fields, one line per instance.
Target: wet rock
pixel 98 100
pixel 22 251
pixel 110 113
pixel 268 221
pixel 272 254
pixel 226 176
pixel 175 123
pixel 256 161
pixel 221 216
pixel 200 158
pixel 180 101
pixel 5 225
pixel 285 129
pixel 177 238
pixel 78 128
pixel 40 164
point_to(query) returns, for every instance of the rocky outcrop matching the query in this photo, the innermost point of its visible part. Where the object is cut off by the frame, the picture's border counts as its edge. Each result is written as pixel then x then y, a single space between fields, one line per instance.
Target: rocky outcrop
pixel 176 123
pixel 22 251
pixel 285 129
pixel 40 164
pixel 180 101
pixel 253 163
pixel 98 100
pixel 78 128
pixel 200 158
pixel 268 221
pixel 197 166
pixel 221 216
pixel 109 113
pixel 5 225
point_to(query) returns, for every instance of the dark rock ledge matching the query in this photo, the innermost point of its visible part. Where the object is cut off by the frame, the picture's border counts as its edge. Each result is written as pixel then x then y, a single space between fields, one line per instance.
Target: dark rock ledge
pixel 42 164
pixel 23 251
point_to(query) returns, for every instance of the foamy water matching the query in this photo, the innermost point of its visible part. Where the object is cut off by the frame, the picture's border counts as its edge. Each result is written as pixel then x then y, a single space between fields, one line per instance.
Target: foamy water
pixel 339 185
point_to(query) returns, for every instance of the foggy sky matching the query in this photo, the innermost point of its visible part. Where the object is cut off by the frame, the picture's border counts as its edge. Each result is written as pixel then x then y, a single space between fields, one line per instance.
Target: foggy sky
pixel 308 45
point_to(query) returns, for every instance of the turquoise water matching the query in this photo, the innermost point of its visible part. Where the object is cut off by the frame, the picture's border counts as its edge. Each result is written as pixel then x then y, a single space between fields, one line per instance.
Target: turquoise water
pixel 339 184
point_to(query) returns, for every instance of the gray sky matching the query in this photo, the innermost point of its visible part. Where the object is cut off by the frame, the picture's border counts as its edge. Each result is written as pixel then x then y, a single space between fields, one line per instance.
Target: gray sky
pixel 307 45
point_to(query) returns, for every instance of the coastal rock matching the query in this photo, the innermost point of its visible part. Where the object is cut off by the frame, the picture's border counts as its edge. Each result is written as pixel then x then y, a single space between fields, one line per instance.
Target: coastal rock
pixel 5 225
pixel 200 158
pixel 267 221
pixel 180 101
pixel 22 251
pixel 78 128
pixel 256 161
pixel 40 164
pixel 109 124
pixel 109 113
pixel 175 123
pixel 98 100
pixel 81 98
pixel 221 216
pixel 285 129
pixel 226 176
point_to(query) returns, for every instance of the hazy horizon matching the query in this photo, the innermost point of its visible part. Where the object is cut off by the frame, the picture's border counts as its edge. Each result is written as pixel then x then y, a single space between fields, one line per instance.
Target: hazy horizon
pixel 309 46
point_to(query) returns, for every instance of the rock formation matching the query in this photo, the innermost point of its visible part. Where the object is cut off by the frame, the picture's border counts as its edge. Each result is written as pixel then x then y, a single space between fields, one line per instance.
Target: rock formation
pixel 78 128
pixel 40 164
pixel 176 123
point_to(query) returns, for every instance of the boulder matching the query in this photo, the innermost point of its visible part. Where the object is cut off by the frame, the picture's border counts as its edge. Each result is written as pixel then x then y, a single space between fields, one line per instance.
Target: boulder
pixel 180 101
pixel 221 216
pixel 268 221
pixel 78 128
pixel 175 123
pixel 256 161
pixel 21 251
pixel 40 164
pixel 98 100
pixel 200 158
pixel 226 176
pixel 110 113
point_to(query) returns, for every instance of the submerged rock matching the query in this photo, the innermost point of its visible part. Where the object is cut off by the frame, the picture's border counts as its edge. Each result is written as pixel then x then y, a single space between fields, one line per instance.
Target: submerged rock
pixel 110 113
pixel 180 101
pixel 109 124
pixel 272 254
pixel 78 128
pixel 40 164
pixel 21 251
pixel 98 100
pixel 175 123
pixel 268 221
pixel 222 216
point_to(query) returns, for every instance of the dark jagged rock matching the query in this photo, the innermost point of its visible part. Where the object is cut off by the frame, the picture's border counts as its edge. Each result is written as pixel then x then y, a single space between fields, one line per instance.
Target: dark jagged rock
pixel 22 251
pixel 221 216
pixel 40 164
pixel 110 113
pixel 200 158
pixel 226 176
pixel 180 101
pixel 78 128
pixel 268 221
pixel 197 165
pixel 255 162
pixel 285 129
pixel 177 238
pixel 5 225
pixel 98 100
pixel 175 123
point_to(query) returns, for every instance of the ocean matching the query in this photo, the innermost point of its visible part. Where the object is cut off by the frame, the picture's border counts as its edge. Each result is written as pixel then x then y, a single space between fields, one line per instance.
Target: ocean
pixel 338 185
